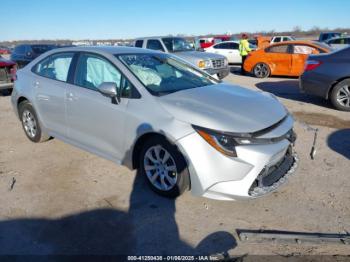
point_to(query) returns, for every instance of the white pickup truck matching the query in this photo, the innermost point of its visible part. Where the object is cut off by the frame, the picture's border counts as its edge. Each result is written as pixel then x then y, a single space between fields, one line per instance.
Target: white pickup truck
pixel 213 64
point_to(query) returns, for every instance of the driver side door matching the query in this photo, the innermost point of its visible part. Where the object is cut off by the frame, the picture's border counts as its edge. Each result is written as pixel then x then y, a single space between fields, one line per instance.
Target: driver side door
pixel 95 123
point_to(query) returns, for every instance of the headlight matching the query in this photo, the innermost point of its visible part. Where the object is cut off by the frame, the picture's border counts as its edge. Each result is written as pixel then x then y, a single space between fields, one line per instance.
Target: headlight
pixel 204 64
pixel 226 142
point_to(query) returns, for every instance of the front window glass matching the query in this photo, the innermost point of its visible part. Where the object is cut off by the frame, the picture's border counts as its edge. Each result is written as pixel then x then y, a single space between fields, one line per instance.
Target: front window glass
pixel 55 67
pixel 177 44
pixel 93 70
pixel 163 74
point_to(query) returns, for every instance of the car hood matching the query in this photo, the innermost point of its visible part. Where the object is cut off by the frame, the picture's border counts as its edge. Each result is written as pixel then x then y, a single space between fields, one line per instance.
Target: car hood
pixel 224 107
pixel 200 55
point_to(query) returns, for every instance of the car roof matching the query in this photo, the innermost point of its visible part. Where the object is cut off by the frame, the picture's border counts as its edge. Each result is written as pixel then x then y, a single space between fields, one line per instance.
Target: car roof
pixel 114 50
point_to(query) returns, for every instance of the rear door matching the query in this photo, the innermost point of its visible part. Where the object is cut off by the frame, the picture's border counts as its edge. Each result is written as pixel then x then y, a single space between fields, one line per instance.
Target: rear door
pixel 299 57
pixel 49 89
pixel 95 123
pixel 279 59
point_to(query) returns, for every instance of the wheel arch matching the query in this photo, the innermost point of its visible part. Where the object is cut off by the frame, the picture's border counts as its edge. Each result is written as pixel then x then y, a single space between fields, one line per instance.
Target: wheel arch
pixel 136 152
pixel 334 84
pixel 19 101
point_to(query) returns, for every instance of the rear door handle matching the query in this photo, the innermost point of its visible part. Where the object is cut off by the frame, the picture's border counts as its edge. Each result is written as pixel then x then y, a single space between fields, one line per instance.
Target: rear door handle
pixel 71 97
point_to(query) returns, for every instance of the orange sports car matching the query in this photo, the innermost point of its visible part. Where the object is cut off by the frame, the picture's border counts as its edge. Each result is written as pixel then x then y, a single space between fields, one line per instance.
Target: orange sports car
pixel 285 58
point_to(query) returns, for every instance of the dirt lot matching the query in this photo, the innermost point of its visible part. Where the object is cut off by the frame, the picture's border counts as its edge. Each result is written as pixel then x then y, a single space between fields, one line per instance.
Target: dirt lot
pixel 58 199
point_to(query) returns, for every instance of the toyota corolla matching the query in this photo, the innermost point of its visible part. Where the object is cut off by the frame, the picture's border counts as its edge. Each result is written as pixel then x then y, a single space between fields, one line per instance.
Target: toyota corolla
pixel 182 128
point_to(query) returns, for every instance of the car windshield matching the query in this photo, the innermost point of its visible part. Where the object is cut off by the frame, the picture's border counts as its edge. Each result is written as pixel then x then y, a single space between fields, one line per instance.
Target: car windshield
pixel 40 49
pixel 162 74
pixel 178 44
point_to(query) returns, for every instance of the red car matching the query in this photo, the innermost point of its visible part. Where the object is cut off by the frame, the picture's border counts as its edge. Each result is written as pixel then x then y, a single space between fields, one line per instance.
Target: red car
pixel 7 74
pixel 206 42
pixel 4 50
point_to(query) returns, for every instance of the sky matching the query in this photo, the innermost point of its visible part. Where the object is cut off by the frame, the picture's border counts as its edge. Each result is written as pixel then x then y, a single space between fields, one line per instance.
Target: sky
pixel 115 19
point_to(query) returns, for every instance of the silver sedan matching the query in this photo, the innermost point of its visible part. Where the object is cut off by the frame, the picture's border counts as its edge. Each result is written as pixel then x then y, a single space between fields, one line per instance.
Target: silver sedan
pixel 182 128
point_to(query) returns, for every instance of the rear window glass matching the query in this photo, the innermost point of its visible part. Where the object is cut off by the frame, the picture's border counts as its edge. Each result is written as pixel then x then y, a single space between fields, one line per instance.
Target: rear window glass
pixel 303 49
pixel 278 49
pixel 55 67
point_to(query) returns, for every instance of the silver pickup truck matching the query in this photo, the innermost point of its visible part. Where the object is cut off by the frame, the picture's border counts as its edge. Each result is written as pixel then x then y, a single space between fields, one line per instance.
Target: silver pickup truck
pixel 213 64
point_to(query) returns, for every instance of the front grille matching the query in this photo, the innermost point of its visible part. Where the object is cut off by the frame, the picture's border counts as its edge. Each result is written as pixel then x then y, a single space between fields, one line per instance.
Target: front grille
pixel 271 177
pixel 5 75
pixel 218 63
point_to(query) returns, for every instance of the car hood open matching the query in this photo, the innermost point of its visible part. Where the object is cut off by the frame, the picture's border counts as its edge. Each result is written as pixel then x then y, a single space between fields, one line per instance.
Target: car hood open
pixel 224 107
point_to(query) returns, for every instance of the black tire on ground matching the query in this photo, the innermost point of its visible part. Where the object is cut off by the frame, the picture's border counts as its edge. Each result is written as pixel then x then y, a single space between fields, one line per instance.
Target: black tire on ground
pixel 340 95
pixel 40 136
pixel 183 176
pixel 261 70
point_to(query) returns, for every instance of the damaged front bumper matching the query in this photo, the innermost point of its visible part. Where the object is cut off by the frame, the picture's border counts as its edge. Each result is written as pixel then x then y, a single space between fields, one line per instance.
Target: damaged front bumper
pixel 274 176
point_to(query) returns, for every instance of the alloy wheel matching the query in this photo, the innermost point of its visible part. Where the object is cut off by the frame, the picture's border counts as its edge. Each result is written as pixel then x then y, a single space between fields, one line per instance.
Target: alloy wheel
pixel 29 123
pixel 261 70
pixel 160 168
pixel 343 96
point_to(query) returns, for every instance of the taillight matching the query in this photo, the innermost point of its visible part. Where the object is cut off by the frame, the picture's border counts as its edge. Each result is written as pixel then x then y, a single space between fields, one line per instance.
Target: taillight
pixel 311 65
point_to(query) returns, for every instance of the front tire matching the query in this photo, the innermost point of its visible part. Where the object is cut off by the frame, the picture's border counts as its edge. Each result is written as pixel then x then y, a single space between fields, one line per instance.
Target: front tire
pixel 340 95
pixel 261 70
pixel 30 123
pixel 164 167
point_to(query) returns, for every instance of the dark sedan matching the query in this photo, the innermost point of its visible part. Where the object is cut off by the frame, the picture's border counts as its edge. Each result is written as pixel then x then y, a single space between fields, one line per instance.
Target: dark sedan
pixel 328 76
pixel 24 54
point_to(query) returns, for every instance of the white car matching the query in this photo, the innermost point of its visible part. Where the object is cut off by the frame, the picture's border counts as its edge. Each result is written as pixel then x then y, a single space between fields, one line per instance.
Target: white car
pixel 278 39
pixel 230 49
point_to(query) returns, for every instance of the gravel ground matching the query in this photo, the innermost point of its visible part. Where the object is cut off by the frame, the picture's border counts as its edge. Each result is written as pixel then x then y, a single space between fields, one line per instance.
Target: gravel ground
pixel 57 199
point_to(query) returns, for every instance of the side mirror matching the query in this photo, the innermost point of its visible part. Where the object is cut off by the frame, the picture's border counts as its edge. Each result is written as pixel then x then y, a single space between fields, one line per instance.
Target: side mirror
pixel 109 89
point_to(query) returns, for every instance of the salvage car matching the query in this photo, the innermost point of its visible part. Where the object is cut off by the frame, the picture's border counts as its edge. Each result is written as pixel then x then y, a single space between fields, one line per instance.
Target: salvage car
pixel 328 76
pixel 213 64
pixel 229 49
pixel 7 75
pixel 23 54
pixel 286 58
pixel 182 128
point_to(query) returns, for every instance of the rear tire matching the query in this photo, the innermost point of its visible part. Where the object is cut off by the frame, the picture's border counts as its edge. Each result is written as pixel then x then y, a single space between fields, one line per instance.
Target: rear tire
pixel 261 70
pixel 31 123
pixel 340 95
pixel 164 167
